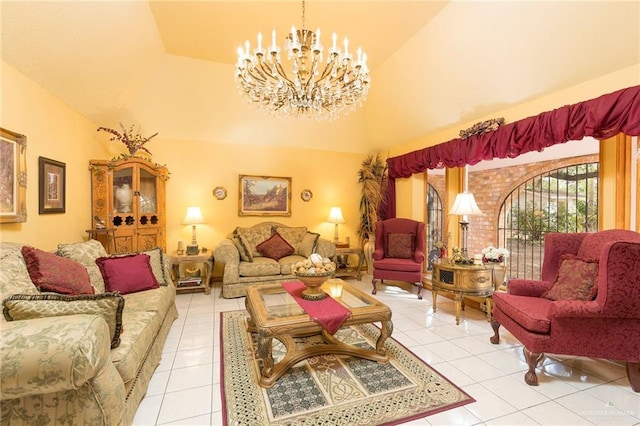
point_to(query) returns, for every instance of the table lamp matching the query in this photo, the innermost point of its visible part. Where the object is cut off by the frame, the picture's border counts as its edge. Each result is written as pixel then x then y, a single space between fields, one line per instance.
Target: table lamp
pixel 465 205
pixel 335 217
pixel 193 218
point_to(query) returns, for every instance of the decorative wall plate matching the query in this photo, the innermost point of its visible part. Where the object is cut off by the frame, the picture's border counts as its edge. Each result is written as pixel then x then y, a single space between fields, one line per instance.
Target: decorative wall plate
pixel 306 195
pixel 220 193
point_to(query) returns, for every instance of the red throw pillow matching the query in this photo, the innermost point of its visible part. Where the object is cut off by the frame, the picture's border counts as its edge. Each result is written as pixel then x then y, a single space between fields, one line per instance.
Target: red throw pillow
pixel 127 274
pixel 400 245
pixel 50 272
pixel 275 247
pixel 576 279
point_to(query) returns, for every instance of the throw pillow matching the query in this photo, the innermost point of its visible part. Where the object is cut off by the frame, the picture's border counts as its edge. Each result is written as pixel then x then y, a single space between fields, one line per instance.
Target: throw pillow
pixel 293 235
pixel 308 244
pixel 156 260
pixel 86 253
pixel 244 256
pixel 251 237
pixel 275 247
pixel 49 272
pixel 400 245
pixel 576 279
pixel 28 306
pixel 127 274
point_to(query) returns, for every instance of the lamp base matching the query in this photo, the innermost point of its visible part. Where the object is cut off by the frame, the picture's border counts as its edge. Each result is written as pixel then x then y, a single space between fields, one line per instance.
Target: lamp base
pixel 191 249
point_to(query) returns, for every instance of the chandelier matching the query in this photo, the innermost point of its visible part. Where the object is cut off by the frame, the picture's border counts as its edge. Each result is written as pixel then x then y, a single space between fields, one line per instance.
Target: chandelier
pixel 313 89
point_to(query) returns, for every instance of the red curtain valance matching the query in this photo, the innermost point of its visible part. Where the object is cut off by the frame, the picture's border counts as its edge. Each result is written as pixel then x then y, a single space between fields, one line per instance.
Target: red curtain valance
pixel 600 118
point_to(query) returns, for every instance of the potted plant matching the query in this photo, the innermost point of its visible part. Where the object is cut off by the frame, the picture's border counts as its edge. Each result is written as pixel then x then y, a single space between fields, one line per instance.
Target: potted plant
pixel 373 180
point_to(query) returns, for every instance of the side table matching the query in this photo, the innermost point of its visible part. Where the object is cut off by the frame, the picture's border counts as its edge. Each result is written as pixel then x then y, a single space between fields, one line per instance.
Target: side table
pixel 349 271
pixel 109 236
pixel 190 282
pixel 465 281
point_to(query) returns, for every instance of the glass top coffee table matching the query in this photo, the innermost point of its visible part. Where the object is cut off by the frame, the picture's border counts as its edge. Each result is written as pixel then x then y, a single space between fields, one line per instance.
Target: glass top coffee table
pixel 276 314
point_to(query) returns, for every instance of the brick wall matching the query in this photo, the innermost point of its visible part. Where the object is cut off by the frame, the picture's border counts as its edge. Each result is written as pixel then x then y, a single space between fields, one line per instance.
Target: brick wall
pixel 491 187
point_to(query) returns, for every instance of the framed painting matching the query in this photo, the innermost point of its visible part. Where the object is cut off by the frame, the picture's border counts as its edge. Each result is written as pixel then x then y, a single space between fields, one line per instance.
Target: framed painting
pixel 13 177
pixel 51 186
pixel 264 196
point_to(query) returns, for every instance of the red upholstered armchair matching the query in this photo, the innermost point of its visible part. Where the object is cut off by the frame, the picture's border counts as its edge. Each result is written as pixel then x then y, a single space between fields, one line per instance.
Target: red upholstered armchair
pixel 399 252
pixel 606 325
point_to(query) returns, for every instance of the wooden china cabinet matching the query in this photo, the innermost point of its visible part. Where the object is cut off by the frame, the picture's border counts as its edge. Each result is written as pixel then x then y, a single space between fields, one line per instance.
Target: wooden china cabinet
pixel 128 196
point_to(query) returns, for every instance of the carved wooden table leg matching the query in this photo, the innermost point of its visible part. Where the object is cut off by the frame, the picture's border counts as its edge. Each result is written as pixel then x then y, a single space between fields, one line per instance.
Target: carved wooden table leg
pixel 434 295
pixel 385 331
pixel 495 339
pixel 458 301
pixel 265 345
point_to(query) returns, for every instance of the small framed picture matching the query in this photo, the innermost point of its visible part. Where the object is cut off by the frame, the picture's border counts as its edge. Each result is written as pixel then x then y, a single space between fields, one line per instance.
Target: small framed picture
pixel 306 195
pixel 51 186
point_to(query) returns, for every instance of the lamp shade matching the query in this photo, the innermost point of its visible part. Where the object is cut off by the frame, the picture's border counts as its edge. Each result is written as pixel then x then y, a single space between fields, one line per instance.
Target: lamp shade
pixel 335 215
pixel 193 217
pixel 465 204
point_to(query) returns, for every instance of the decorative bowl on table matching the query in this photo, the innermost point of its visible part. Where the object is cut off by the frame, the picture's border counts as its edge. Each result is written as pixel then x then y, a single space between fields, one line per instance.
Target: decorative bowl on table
pixel 313 272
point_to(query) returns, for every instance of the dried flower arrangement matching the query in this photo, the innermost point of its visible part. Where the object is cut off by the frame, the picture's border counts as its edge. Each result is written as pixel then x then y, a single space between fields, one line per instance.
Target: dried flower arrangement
pixel 482 127
pixel 132 138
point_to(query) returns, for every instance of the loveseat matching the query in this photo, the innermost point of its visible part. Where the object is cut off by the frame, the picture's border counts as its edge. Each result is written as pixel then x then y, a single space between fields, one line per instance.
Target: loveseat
pixel 80 359
pixel 264 254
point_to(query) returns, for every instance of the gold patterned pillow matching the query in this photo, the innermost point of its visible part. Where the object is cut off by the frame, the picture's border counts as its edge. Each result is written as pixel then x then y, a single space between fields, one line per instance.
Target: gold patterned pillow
pixel 251 237
pixel 86 254
pixel 29 306
pixel 308 244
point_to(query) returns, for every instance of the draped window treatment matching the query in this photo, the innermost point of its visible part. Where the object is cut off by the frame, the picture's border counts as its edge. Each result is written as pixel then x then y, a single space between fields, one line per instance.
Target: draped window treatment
pixel 601 118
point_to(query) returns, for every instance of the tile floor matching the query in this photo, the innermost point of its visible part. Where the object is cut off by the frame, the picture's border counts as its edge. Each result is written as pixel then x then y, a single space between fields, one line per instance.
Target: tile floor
pixel 573 391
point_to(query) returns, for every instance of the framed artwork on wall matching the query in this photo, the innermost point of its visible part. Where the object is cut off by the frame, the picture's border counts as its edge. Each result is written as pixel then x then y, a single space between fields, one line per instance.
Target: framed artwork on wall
pixel 264 196
pixel 13 177
pixel 51 186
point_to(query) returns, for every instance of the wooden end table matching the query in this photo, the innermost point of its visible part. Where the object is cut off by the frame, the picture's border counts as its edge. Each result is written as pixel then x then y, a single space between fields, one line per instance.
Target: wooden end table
pixel 205 260
pixel 275 314
pixel 350 272
pixel 465 281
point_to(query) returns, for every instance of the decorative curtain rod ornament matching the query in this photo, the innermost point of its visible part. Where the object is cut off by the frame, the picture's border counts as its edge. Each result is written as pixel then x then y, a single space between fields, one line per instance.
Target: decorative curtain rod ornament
pixel 482 127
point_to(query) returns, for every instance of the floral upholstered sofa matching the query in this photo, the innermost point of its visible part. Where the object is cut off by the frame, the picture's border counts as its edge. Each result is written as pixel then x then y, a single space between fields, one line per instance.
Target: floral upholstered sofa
pixel 81 332
pixel 264 254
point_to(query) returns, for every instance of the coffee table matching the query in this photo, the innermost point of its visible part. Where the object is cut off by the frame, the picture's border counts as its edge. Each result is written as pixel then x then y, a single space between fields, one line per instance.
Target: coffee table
pixel 275 314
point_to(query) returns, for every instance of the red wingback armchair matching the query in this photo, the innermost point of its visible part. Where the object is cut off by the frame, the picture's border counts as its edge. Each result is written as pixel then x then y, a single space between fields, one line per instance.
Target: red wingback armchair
pixel 399 252
pixel 607 326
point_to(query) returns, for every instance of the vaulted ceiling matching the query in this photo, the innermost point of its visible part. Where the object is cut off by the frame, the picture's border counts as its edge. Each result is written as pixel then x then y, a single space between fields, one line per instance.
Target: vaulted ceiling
pixel 169 65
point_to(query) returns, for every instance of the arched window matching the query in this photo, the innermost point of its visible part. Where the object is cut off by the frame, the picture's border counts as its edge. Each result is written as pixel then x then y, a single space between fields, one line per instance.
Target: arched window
pixel 560 200
pixel 435 223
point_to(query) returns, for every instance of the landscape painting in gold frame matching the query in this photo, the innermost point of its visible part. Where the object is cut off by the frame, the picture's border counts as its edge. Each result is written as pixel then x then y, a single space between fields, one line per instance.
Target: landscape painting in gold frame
pixel 264 196
pixel 13 177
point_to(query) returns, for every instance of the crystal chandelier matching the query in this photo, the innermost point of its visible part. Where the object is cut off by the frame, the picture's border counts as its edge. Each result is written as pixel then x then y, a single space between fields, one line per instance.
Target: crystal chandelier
pixel 314 89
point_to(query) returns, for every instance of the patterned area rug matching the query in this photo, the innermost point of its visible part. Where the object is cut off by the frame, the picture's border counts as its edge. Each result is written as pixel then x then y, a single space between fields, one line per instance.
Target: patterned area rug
pixel 329 389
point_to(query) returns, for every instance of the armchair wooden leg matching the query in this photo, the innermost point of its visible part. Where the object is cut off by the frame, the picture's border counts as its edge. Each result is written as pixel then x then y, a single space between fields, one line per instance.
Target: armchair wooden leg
pixel 419 284
pixel 375 289
pixel 495 339
pixel 633 373
pixel 533 359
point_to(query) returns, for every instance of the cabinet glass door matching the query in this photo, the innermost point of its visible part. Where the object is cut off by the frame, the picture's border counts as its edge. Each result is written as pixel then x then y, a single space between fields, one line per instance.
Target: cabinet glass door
pixel 123 190
pixel 148 193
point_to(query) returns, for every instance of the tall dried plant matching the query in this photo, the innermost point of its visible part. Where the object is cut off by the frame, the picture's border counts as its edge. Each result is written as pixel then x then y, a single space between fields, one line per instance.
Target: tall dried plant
pixel 373 180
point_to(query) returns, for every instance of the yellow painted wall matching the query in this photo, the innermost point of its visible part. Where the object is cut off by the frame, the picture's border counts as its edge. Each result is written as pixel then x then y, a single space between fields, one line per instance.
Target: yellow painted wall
pixel 53 131
pixel 198 167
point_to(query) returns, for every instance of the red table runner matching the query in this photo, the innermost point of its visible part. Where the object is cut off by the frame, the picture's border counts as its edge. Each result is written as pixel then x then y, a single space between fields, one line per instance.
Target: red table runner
pixel 327 312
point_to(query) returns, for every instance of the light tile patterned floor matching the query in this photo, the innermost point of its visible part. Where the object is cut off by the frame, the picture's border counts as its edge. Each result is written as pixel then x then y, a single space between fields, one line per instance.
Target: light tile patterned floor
pixel 573 391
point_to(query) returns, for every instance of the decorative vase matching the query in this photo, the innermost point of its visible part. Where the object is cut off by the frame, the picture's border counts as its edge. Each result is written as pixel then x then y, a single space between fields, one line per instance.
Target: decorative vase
pixel 313 283
pixel 124 196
